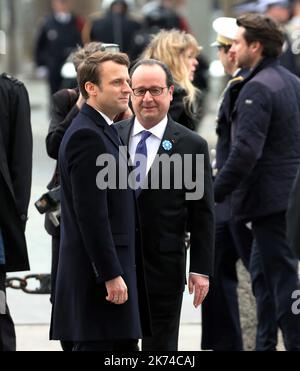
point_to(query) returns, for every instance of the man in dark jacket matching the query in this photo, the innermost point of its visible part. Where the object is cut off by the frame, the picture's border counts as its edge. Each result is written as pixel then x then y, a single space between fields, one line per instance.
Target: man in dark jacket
pixel 221 329
pixel 116 25
pixel 15 185
pixel 293 217
pixel 263 160
pixel 165 211
pixel 58 36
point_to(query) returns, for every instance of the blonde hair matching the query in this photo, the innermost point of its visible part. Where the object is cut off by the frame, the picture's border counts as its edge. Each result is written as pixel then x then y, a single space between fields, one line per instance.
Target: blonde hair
pixel 171 47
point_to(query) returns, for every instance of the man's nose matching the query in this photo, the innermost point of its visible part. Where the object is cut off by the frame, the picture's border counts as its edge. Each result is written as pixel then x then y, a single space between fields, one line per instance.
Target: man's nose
pixel 147 96
pixel 127 88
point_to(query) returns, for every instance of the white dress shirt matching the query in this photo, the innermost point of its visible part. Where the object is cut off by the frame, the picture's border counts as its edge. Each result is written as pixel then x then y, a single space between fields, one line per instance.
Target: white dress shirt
pixel 106 118
pixel 152 143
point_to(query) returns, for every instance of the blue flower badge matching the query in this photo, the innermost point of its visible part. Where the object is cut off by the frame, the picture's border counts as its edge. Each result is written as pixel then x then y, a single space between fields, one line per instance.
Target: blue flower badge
pixel 167 145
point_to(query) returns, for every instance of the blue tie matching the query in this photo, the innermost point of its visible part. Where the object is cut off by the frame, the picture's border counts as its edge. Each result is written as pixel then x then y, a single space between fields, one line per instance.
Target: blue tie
pixel 141 149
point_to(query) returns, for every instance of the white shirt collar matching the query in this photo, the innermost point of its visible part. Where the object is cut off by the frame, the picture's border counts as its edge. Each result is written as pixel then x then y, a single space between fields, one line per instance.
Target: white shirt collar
pixel 236 72
pixel 106 118
pixel 158 130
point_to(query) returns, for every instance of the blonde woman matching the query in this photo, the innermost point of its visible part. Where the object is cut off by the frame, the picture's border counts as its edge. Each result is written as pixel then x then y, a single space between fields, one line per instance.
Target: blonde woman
pixel 179 50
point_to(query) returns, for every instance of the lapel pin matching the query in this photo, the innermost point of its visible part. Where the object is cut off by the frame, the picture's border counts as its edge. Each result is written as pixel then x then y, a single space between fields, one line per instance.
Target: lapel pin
pixel 167 145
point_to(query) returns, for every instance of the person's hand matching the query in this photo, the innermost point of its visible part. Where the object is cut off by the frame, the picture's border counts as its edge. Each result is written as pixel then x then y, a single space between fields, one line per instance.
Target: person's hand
pixel 117 292
pixel 200 286
pixel 80 101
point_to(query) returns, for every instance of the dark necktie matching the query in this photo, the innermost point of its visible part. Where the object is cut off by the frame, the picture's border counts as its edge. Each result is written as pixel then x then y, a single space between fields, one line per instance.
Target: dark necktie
pixel 141 149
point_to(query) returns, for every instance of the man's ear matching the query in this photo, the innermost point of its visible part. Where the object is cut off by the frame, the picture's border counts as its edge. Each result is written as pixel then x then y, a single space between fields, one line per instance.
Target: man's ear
pixel 256 47
pixel 231 57
pixel 90 89
pixel 171 91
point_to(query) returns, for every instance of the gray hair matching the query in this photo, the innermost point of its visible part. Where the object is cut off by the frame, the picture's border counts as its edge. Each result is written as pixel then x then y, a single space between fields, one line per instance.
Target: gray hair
pixel 154 62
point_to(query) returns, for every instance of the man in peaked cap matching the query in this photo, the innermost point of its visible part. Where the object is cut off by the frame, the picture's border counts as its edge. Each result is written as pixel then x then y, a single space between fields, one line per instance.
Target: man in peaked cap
pixel 15 184
pixel 221 328
pixel 226 29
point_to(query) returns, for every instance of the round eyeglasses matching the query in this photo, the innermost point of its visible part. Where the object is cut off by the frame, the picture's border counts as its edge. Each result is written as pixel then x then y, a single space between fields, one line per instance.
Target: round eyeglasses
pixel 155 91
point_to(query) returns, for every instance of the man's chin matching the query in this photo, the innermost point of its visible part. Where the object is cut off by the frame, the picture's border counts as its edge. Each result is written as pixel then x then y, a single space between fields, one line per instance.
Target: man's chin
pixel 123 107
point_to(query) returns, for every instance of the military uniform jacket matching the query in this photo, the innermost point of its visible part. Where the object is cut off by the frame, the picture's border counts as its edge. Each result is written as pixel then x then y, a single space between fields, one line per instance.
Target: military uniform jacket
pixel 15 170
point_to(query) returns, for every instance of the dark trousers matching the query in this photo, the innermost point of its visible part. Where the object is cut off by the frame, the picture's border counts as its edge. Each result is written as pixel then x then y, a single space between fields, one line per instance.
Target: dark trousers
pixel 7 329
pixel 267 327
pixel 165 318
pixel 280 270
pixel 221 328
pixel 54 265
pixel 107 346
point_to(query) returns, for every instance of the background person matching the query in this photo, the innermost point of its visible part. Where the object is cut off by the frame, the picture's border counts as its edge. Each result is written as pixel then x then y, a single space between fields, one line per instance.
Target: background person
pixel 263 161
pixel 15 187
pixel 178 50
pixel 221 327
pixel 116 25
pixel 58 36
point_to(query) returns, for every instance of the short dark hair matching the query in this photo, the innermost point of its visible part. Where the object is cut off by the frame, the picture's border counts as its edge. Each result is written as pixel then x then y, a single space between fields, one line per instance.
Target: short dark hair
pixel 265 30
pixel 154 62
pixel 83 52
pixel 88 70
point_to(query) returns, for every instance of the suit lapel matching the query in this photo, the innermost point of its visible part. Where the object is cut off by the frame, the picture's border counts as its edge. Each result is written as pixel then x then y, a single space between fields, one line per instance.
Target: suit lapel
pixel 99 121
pixel 171 136
pixel 124 129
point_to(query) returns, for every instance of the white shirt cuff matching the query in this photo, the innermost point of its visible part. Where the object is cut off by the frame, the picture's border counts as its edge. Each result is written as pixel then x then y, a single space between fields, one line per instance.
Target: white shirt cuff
pixel 199 274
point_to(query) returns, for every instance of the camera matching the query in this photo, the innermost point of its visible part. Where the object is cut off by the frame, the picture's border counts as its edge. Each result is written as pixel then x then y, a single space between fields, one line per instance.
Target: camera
pixel 113 48
pixel 50 203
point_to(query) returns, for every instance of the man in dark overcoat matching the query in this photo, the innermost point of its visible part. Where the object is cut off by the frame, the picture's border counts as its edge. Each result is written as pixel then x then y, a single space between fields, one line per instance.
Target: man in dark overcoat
pixel 15 186
pixel 100 298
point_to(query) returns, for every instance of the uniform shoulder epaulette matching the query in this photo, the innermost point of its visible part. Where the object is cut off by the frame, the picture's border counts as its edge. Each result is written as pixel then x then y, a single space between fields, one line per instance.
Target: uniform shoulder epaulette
pixel 236 79
pixel 11 78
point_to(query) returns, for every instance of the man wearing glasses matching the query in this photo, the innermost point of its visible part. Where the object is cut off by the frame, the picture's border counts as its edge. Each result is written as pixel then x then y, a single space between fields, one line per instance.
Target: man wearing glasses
pixel 166 213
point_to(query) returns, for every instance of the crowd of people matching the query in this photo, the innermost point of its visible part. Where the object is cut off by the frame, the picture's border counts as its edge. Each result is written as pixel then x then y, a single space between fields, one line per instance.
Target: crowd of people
pixel 137 189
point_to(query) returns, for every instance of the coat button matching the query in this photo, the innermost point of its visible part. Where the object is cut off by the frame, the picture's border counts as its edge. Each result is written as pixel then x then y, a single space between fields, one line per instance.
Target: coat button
pixel 23 217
